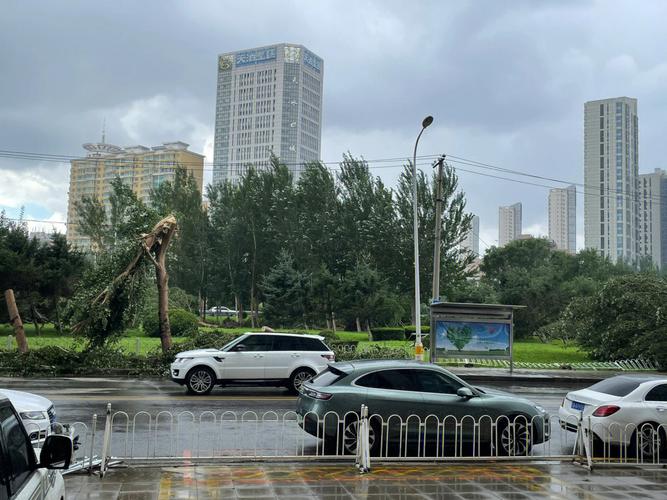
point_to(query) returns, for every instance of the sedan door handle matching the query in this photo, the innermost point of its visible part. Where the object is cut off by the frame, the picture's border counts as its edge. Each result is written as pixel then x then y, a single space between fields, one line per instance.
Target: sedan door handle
pixel 295 355
pixel 660 408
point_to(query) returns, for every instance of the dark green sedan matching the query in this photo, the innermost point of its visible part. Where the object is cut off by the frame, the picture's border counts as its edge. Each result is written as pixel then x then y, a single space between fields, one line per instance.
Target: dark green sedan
pixel 416 407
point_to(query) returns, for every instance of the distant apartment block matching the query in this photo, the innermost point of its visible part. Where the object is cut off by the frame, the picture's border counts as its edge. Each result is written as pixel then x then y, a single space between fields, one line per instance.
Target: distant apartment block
pixel 611 163
pixel 653 216
pixel 269 101
pixel 509 223
pixel 471 241
pixel 139 167
pixel 563 218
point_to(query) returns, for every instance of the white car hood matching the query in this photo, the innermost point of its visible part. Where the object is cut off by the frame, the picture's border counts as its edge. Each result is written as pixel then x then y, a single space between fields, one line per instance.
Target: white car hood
pixel 199 353
pixel 25 401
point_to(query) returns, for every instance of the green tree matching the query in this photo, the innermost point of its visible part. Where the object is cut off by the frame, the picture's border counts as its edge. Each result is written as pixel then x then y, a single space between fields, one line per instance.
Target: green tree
pixel 285 291
pixel 456 223
pixel 625 318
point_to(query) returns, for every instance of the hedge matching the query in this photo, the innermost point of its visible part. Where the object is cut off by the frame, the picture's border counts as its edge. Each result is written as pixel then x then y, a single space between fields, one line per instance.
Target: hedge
pixel 183 323
pixel 388 333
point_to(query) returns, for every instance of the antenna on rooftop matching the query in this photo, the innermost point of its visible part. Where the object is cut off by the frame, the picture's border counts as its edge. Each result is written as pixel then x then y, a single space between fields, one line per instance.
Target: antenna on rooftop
pixel 104 126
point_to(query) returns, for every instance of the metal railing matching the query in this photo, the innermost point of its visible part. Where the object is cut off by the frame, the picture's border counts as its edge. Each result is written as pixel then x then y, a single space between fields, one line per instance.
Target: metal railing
pixel 217 436
pixel 621 365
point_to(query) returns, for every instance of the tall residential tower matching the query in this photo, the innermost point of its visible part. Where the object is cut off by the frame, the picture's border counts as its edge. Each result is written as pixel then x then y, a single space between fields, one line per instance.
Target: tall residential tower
pixel 269 101
pixel 563 218
pixel 611 163
pixel 509 224
pixel 471 241
pixel 653 216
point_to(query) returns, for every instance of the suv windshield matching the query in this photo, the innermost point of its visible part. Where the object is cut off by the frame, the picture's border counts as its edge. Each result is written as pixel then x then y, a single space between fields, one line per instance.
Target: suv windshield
pixel 617 386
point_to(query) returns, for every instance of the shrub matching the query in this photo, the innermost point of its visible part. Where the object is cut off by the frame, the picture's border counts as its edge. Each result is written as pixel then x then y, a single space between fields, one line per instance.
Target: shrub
pixel 182 322
pixel 388 333
pixel 371 352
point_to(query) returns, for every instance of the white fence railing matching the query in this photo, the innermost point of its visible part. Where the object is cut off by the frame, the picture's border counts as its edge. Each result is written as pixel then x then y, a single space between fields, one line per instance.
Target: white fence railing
pixel 363 436
pixel 620 365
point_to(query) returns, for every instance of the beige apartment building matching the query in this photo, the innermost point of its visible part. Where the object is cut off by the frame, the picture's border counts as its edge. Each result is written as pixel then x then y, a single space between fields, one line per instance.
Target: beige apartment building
pixel 653 216
pixel 509 224
pixel 139 167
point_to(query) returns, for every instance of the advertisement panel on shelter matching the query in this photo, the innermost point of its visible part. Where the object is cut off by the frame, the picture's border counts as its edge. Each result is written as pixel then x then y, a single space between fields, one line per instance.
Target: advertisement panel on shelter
pixel 472 339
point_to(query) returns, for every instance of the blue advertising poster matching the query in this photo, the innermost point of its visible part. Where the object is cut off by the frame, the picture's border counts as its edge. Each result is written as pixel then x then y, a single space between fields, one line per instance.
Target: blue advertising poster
pixel 469 338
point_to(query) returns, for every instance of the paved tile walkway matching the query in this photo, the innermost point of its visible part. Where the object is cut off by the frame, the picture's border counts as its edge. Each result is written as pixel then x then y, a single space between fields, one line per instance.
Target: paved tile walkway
pixel 342 482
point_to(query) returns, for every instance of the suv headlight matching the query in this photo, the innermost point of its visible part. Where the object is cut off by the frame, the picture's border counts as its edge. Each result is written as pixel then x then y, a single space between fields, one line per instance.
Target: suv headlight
pixel 181 360
pixel 34 415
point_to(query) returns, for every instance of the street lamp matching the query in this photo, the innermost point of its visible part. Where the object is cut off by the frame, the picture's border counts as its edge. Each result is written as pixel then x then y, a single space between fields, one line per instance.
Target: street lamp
pixel 419 347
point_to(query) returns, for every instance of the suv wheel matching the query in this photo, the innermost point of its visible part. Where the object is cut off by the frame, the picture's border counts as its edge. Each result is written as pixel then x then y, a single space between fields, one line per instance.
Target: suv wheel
pixel 298 378
pixel 200 380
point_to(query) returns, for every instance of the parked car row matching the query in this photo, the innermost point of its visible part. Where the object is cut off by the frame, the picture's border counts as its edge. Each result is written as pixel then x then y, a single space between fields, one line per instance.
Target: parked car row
pixel 629 405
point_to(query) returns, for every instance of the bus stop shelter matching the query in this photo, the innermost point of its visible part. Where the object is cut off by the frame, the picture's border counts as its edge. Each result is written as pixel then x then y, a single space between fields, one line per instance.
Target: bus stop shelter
pixel 464 331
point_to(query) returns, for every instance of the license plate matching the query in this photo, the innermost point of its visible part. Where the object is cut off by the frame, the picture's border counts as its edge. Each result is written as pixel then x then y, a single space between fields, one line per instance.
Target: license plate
pixel 576 405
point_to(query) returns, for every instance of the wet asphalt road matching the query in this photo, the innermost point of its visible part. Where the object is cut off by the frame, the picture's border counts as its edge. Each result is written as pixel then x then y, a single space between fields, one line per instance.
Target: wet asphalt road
pixel 77 399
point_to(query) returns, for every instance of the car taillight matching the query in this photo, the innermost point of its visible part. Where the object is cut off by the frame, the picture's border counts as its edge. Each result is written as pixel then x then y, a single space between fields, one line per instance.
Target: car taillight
pixel 329 357
pixel 312 393
pixel 606 410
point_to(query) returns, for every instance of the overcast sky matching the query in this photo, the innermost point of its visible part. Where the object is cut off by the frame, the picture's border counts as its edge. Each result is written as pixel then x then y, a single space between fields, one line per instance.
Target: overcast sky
pixel 505 81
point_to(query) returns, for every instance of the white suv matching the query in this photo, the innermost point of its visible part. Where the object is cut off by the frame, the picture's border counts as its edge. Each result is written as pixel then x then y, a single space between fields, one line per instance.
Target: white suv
pixel 256 359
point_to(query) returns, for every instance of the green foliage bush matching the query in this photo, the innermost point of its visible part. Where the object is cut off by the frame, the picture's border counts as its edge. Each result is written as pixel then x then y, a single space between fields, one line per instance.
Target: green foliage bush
pixel 183 323
pixel 371 352
pixel 388 333
pixel 329 337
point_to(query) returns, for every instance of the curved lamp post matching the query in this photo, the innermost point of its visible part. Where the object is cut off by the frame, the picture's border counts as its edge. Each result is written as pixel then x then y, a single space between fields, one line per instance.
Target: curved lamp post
pixel 419 347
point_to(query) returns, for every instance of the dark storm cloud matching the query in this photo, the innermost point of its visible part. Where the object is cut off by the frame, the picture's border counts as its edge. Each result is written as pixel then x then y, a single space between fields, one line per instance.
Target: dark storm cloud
pixel 506 80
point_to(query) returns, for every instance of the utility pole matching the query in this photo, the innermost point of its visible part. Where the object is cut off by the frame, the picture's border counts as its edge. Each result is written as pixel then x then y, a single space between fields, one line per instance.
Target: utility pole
pixel 438 231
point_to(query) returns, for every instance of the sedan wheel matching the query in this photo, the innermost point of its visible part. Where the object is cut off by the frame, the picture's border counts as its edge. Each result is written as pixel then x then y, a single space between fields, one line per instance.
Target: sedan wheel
pixel 514 439
pixel 350 437
pixel 200 381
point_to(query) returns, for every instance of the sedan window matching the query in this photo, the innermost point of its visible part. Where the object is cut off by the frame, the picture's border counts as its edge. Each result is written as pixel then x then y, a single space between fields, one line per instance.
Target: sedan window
pixel 431 381
pixel 658 393
pixel 617 386
pixel 397 380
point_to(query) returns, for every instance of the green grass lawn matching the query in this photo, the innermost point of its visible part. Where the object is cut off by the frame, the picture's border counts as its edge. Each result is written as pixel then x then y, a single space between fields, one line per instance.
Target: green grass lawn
pixel 135 341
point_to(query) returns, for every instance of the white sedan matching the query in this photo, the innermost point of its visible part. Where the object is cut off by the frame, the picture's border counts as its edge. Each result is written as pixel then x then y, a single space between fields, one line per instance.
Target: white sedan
pixel 626 410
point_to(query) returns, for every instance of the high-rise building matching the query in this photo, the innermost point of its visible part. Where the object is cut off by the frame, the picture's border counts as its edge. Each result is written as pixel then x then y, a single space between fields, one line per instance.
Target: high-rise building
pixel 509 223
pixel 269 101
pixel 471 241
pixel 139 167
pixel 653 216
pixel 611 164
pixel 563 218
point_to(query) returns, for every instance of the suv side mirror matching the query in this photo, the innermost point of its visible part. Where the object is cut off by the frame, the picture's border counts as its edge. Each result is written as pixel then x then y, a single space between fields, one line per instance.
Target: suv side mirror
pixel 239 347
pixel 464 392
pixel 57 452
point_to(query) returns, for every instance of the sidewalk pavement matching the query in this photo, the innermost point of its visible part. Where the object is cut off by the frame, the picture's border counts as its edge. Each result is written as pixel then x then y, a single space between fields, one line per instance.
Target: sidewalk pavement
pixel 342 482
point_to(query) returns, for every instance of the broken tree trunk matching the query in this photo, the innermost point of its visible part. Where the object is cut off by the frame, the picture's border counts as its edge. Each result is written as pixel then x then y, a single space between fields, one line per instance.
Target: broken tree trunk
pixel 15 320
pixel 156 244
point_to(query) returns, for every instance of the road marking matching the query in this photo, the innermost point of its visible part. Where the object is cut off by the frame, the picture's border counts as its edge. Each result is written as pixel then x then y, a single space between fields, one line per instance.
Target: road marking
pixel 66 397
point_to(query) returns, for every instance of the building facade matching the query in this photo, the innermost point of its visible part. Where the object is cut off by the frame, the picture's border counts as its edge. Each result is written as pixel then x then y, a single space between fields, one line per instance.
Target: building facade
pixel 509 223
pixel 653 216
pixel 139 167
pixel 611 169
pixel 471 241
pixel 563 218
pixel 269 101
